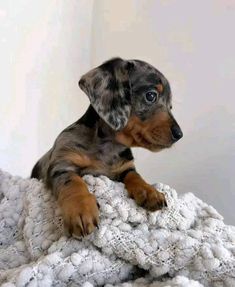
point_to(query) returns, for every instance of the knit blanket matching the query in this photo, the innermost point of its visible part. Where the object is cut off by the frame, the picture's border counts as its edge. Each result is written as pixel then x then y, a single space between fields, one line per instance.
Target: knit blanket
pixel 184 244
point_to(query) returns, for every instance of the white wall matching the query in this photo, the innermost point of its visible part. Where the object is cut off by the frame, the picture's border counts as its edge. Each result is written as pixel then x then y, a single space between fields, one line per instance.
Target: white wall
pixel 46 46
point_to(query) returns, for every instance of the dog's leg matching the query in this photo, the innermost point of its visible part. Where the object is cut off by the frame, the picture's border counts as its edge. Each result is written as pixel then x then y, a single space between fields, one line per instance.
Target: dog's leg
pixel 143 193
pixel 78 205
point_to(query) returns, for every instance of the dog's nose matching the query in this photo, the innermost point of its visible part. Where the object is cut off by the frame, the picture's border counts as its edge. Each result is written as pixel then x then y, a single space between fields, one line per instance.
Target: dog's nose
pixel 176 133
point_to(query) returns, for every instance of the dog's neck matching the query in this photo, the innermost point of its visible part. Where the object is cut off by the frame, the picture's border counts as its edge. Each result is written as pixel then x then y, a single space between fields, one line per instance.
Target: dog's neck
pixel 102 132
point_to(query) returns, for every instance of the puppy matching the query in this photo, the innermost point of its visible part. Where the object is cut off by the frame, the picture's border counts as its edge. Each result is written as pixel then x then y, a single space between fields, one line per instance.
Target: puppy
pixel 130 107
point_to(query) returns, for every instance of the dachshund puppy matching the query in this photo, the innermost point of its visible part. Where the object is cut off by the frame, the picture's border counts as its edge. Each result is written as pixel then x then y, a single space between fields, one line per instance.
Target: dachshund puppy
pixel 130 107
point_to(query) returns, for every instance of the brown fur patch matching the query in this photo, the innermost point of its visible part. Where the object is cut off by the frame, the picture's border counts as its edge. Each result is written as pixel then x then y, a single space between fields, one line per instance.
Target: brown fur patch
pixel 153 134
pixel 122 166
pixel 91 164
pixel 144 194
pixel 79 159
pixel 79 207
pixel 159 88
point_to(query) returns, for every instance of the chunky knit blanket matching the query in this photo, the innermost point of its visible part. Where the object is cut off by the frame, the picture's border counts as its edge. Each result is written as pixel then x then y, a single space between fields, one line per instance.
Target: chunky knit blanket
pixel 185 244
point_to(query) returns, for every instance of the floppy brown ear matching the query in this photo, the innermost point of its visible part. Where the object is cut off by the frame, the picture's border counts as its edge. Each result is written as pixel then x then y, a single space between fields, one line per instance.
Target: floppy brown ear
pixel 109 91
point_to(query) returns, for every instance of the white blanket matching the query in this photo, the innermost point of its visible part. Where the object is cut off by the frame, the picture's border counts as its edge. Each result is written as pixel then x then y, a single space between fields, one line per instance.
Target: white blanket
pixel 185 244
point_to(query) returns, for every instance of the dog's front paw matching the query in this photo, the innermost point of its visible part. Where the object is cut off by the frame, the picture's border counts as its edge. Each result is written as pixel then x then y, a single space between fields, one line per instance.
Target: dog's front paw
pixel 147 196
pixel 80 213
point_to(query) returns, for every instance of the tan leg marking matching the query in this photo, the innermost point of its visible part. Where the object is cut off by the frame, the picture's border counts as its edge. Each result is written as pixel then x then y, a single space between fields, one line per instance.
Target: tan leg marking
pixel 79 207
pixel 144 194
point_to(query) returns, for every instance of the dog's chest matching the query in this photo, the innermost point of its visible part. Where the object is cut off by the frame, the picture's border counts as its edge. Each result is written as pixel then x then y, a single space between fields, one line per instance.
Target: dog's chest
pixel 108 153
pixel 106 161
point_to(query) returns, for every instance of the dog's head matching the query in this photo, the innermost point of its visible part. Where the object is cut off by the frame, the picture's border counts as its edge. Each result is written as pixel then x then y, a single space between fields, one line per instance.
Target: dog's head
pixel 134 99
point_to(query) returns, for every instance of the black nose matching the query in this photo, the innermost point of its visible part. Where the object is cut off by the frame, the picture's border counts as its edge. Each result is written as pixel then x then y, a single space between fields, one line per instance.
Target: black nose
pixel 176 133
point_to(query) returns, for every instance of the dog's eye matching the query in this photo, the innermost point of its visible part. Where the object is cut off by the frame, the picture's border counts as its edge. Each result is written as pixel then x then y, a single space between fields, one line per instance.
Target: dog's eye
pixel 151 97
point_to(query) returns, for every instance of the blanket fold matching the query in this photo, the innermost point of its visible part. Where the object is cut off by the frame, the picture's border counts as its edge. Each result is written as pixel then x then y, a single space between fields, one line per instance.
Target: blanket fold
pixel 185 244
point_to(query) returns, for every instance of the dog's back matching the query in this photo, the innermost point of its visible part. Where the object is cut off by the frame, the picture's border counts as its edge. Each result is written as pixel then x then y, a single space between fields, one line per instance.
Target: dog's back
pixel 40 168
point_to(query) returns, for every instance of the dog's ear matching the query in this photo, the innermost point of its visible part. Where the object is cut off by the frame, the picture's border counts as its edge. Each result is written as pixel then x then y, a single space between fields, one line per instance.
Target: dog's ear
pixel 109 91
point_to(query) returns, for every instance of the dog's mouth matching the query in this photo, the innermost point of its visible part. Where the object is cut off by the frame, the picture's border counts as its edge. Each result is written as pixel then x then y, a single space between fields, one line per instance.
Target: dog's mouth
pixel 150 143
pixel 157 147
pixel 154 139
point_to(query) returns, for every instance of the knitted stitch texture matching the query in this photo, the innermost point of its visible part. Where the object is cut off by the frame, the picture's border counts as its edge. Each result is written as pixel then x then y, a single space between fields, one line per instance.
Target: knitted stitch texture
pixel 185 244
